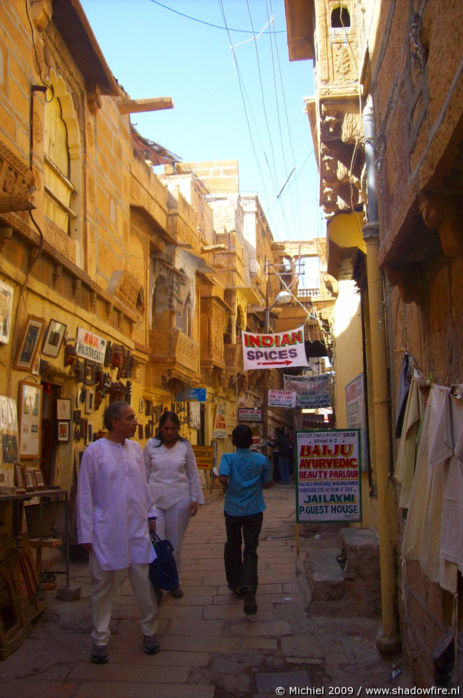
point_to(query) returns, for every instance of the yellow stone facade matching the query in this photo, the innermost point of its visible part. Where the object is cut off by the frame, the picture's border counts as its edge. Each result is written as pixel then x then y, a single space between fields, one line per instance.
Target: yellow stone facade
pixel 386 123
pixel 115 283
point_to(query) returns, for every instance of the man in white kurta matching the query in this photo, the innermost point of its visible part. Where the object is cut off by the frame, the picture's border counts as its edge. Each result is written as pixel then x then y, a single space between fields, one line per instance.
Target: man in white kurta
pixel 113 507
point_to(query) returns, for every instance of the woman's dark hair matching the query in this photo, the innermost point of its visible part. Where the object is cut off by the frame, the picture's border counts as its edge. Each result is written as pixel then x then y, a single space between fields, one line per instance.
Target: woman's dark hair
pixel 113 412
pixel 168 417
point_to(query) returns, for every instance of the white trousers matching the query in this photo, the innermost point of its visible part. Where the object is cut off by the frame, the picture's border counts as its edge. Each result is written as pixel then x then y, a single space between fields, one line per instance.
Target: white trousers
pixel 172 523
pixel 101 601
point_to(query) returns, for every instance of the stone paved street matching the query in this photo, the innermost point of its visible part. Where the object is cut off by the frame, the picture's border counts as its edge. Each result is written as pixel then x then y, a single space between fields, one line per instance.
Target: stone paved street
pixel 210 649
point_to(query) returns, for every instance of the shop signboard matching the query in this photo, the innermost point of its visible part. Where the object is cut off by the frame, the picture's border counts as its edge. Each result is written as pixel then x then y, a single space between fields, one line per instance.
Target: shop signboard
pixel 220 424
pixel 282 398
pixel 280 350
pixel 355 410
pixel 249 414
pixel 191 394
pixel 328 476
pixel 204 457
pixel 90 346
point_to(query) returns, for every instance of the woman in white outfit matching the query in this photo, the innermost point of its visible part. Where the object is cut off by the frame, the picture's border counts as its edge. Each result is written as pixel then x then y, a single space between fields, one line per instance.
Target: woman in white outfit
pixel 173 481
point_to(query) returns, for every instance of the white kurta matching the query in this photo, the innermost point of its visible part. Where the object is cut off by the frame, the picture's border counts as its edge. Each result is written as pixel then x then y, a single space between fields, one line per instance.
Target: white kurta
pixel 172 473
pixel 113 504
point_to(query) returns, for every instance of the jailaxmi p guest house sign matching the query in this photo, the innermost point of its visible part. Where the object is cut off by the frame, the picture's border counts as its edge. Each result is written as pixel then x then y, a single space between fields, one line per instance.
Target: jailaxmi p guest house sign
pixel 328 467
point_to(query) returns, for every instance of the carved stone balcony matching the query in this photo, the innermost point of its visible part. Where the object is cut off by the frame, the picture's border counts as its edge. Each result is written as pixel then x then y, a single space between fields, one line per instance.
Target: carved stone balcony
pixel 233 358
pixel 175 355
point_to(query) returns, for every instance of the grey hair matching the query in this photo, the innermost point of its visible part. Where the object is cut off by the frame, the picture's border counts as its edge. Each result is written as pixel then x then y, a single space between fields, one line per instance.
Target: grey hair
pixel 113 412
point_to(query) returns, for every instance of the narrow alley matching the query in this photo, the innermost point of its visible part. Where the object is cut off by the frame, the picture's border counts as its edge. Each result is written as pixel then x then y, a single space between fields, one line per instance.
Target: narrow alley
pixel 209 648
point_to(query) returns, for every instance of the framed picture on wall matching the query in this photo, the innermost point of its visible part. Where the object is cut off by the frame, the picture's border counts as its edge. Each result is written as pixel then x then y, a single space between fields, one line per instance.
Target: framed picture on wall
pixel 30 419
pixel 88 401
pixel 38 479
pixel 63 408
pixel 63 431
pixel 53 338
pixel 6 311
pixel 29 479
pixel 29 344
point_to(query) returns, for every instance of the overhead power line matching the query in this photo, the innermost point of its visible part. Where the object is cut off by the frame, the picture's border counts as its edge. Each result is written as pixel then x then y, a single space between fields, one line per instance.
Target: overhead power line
pixel 208 24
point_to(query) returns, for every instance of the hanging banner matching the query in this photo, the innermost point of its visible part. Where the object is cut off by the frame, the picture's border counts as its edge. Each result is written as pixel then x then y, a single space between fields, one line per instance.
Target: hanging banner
pixel 281 398
pixel 220 424
pixel 278 350
pixel 328 476
pixel 311 391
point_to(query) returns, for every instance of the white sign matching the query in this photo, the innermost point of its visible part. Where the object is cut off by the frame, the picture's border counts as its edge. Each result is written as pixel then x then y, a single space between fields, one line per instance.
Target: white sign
pixel 328 476
pixel 90 346
pixel 281 398
pixel 278 350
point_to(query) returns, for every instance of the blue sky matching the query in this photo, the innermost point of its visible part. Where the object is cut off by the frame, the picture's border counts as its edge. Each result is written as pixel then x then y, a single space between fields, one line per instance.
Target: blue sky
pixel 244 104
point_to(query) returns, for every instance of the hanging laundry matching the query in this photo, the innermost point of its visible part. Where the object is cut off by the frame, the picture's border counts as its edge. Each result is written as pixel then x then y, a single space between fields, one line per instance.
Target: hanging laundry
pixel 422 535
pixel 408 445
pixel 404 387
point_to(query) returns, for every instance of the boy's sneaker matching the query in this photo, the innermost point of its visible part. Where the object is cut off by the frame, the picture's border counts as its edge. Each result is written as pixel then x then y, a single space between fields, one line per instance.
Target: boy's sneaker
pixel 249 603
pixel 100 654
pixel 236 591
pixel 151 644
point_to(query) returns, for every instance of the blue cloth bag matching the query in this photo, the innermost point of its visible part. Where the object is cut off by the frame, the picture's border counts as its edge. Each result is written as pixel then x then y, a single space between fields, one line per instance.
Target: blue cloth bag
pixel 163 571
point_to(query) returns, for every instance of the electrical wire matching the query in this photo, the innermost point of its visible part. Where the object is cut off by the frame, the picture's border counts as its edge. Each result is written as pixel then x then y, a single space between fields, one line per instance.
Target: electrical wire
pixel 208 24
pixel 242 92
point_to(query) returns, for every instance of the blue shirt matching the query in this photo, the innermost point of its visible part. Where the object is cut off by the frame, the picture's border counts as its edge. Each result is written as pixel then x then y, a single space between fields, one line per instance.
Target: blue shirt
pixel 247 472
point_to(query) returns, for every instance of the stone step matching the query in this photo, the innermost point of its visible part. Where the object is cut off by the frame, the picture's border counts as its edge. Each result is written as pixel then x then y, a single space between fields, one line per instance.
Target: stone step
pixel 349 590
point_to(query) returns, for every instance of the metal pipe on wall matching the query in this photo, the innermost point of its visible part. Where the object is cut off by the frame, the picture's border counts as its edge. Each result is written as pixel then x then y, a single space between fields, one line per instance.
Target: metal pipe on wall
pixel 388 640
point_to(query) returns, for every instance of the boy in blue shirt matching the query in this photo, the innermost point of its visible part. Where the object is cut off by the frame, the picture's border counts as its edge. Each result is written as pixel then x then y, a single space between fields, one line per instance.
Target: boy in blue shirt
pixel 243 475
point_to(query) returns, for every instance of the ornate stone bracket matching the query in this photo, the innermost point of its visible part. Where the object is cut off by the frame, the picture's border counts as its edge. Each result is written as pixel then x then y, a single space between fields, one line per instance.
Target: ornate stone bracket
pixel 6 233
pixel 442 213
pixel 410 280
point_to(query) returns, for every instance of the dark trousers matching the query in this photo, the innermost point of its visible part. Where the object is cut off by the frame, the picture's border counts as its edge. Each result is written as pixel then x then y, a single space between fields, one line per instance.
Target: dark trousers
pixel 241 566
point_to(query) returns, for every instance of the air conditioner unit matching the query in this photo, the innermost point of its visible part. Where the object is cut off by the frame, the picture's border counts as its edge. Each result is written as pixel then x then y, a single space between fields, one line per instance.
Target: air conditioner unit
pixel 254 267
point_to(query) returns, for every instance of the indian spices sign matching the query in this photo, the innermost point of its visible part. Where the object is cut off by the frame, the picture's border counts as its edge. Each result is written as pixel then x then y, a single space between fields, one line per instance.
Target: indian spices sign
pixel 280 350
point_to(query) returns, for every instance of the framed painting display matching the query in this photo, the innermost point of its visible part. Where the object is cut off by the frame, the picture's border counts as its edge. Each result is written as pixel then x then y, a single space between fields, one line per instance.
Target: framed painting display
pixel 63 431
pixel 29 343
pixel 30 419
pixel 38 479
pixel 53 338
pixel 63 408
pixel 19 477
pixel 89 401
pixel 29 479
pixel 6 310
pixel 89 373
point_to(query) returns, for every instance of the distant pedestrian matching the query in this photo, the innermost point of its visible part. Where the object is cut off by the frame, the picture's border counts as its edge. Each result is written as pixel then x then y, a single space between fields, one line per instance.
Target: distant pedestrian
pixel 243 475
pixel 284 450
pixel 173 480
pixel 112 520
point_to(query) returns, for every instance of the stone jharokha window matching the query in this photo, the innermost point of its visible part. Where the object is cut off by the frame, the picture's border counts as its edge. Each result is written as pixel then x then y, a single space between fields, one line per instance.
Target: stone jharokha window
pixel 160 315
pixel 340 17
pixel 59 189
pixel 63 176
